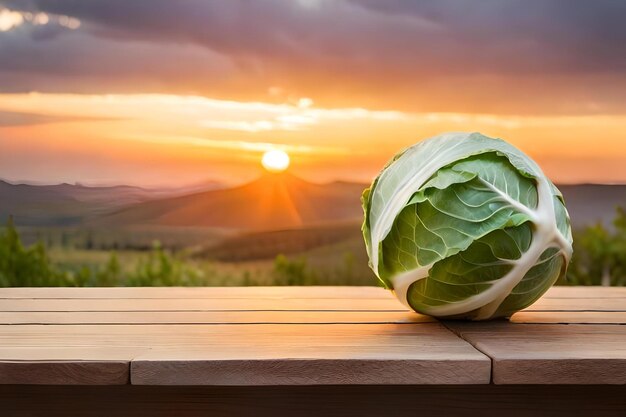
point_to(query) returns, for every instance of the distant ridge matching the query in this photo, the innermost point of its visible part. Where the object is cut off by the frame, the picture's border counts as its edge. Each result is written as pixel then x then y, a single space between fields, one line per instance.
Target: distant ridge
pixel 70 204
pixel 273 201
pixel 593 203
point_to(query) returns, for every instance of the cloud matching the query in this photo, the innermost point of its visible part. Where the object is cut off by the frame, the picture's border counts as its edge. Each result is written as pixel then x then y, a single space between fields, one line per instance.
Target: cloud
pixel 560 32
pixel 190 108
pixel 10 19
pixel 8 119
pixel 240 145
pixel 212 115
pixel 81 63
pixel 50 23
pixel 553 56
pixel 165 136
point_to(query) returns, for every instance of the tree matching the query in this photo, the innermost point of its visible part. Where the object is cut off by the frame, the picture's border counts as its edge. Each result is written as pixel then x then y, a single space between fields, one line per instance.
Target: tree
pixel 22 266
pixel 163 269
pixel 600 254
pixel 292 272
pixel 111 274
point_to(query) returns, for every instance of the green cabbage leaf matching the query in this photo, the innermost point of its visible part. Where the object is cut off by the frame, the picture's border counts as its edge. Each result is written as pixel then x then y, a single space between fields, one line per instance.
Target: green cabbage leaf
pixel 465 226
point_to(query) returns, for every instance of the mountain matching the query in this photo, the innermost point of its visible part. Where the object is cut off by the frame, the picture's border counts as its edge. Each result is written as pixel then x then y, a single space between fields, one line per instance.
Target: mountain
pixel 118 195
pixel 273 201
pixel 38 205
pixel 593 203
pixel 70 204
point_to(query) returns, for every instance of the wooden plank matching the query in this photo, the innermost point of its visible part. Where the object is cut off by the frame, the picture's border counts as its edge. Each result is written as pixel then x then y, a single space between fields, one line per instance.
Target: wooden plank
pixel 296 371
pixel 425 353
pixel 46 352
pixel 291 335
pixel 550 354
pixel 327 401
pixel 431 355
pixel 269 304
pixel 73 372
pixel 570 317
pixel 197 292
pixel 209 304
pixel 287 317
pixel 165 335
pixel 268 298
pixel 264 292
pixel 577 304
pixel 586 292
pixel 212 317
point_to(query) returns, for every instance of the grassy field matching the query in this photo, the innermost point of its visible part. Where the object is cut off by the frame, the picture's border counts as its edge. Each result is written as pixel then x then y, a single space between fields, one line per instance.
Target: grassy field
pixel 307 257
pixel 124 238
pixel 330 254
pixel 313 268
pixel 210 273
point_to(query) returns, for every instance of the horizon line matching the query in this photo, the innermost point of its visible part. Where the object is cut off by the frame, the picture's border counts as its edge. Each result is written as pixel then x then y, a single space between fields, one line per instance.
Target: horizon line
pixel 225 184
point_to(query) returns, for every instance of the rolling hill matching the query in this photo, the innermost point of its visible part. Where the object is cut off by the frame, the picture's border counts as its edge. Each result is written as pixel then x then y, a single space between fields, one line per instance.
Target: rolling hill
pixel 71 204
pixel 284 201
pixel 273 201
pixel 248 246
pixel 587 204
pixel 39 205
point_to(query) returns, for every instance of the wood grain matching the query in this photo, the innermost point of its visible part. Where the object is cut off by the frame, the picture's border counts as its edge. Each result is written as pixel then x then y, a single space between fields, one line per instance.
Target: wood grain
pixel 197 292
pixel 64 372
pixel 401 354
pixel 548 353
pixel 579 304
pixel 570 317
pixel 268 304
pixel 298 353
pixel 42 352
pixel 206 304
pixel 586 292
pixel 293 371
pixel 263 292
pixel 213 317
pixel 301 336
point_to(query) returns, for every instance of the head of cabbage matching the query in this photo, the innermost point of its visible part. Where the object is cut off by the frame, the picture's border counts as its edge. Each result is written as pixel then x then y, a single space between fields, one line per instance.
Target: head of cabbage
pixel 465 226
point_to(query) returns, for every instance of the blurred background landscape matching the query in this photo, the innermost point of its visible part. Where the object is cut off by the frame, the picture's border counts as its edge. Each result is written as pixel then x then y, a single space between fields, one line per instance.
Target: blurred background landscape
pixel 276 230
pixel 134 136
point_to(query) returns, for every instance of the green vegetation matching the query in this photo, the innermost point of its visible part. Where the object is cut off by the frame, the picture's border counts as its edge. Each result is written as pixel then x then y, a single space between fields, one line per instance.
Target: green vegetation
pixel 599 259
pixel 298 271
pixel 600 255
pixel 31 266
pixel 59 264
pixel 27 266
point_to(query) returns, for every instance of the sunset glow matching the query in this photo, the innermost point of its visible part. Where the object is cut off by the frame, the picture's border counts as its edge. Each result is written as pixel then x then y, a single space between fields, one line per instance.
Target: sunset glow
pixel 86 96
pixel 275 160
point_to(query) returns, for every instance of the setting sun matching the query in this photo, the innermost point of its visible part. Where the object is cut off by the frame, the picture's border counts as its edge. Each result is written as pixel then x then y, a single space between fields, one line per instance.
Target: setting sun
pixel 275 160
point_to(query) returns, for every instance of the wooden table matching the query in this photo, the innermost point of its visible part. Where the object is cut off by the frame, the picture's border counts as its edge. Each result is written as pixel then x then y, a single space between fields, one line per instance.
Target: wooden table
pixel 303 351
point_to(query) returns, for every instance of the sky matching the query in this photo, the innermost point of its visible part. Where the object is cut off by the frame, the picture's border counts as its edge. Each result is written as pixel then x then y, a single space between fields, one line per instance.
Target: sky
pixel 163 93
